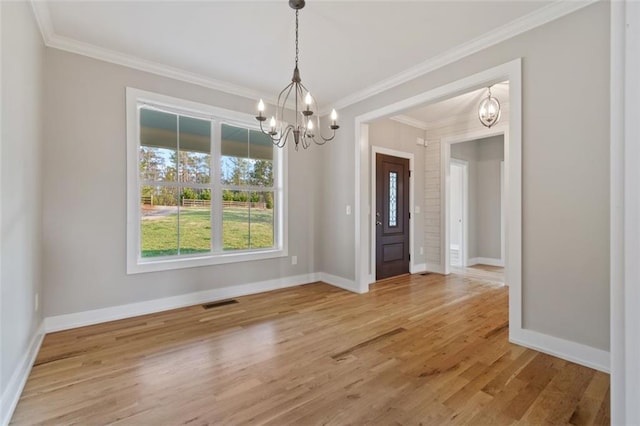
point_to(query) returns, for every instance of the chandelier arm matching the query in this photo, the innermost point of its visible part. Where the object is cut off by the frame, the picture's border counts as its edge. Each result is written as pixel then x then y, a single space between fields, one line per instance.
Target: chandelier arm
pixel 299 109
pixel 282 106
pixel 323 140
pixel 285 136
pixel 312 107
pixel 326 139
pixel 282 102
pixel 314 104
pixel 276 141
pixel 305 141
pixel 263 131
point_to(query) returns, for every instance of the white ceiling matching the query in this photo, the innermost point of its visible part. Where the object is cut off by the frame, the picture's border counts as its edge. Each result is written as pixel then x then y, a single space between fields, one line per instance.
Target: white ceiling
pixel 345 46
pixel 464 105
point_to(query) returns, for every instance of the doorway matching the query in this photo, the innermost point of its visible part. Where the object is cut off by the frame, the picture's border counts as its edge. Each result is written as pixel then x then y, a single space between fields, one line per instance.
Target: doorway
pixel 392 216
pixel 459 172
pixel 475 204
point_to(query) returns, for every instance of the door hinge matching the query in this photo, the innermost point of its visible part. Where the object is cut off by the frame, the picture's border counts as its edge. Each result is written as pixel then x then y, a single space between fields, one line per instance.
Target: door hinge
pixel 409 215
pixel 409 256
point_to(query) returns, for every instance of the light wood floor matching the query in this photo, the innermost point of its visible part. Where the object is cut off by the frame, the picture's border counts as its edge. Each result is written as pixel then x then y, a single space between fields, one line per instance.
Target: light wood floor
pixel 494 274
pixel 415 350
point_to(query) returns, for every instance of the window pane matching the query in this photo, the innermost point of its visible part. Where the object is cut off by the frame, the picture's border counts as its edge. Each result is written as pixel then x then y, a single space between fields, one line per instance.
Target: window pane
pixel 261 162
pixel 158 145
pixel 195 150
pixel 261 220
pixel 261 154
pixel 393 199
pixel 235 220
pixel 261 173
pixel 260 146
pixel 235 164
pixel 159 221
pixel 195 221
pixel 247 157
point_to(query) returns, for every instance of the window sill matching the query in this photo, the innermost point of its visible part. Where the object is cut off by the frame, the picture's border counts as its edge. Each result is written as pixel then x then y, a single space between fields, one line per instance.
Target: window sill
pixel 140 266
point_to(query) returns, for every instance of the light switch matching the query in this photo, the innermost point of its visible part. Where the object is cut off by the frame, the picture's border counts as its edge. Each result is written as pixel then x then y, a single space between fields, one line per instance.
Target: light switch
pixel 348 210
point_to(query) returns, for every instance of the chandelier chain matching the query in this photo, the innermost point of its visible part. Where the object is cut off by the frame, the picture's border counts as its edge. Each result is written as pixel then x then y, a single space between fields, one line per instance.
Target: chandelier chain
pixel 296 38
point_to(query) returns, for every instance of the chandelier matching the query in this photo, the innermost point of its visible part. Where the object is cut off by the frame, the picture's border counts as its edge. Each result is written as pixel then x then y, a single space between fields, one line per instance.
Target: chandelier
pixel 489 110
pixel 303 127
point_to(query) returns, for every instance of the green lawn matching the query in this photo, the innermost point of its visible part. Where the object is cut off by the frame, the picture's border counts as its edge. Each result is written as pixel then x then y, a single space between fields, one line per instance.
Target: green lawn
pixel 160 234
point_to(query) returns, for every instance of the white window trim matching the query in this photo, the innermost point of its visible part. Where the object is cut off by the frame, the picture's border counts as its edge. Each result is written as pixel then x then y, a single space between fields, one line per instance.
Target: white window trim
pixel 135 263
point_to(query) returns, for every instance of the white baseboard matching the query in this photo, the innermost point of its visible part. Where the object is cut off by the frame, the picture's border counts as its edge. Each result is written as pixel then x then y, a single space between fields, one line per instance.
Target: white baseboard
pixel 96 316
pixel 434 267
pixel 18 379
pixel 418 268
pixel 485 261
pixel 588 356
pixel 340 282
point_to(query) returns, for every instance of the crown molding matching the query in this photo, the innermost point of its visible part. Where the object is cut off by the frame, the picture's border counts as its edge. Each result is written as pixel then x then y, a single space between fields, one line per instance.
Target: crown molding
pixel 521 25
pixel 535 19
pixel 410 121
pixel 51 39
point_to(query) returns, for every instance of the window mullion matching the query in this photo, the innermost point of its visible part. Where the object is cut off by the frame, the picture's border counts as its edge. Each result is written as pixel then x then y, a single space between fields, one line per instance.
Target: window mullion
pixel 248 190
pixel 178 177
pixel 216 191
pixel 279 197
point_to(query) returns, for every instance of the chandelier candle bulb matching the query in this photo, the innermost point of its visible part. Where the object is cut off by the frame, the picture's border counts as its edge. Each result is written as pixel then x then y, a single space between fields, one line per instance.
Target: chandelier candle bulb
pixel 309 131
pixel 334 117
pixel 308 100
pixel 261 117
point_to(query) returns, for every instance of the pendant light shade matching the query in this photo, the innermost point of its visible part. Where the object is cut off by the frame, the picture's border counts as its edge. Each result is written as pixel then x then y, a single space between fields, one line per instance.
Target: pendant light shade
pixel 489 110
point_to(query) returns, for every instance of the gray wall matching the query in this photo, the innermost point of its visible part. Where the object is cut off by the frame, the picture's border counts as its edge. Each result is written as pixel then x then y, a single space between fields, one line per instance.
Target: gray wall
pixel 565 186
pixel 84 225
pixel 400 137
pixel 484 157
pixel 22 52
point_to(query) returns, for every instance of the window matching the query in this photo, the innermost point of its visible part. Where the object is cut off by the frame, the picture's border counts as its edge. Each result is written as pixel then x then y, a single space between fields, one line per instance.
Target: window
pixel 204 186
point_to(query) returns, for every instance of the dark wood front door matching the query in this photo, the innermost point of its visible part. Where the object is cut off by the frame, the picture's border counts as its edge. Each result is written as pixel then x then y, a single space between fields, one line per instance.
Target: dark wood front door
pixel 392 216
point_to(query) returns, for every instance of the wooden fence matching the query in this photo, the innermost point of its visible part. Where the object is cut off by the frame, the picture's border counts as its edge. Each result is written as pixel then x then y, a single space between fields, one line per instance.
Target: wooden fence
pixel 187 202
pixel 245 204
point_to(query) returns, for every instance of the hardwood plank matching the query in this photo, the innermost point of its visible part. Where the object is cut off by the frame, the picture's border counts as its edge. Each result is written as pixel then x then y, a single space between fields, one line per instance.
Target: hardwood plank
pixel 415 349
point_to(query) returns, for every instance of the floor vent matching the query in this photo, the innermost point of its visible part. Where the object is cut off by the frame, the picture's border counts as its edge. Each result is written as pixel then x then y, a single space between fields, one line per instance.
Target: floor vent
pixel 218 304
pixel 425 273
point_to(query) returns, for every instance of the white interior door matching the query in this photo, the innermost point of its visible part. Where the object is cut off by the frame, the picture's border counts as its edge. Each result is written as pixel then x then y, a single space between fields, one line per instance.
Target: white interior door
pixel 456 215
